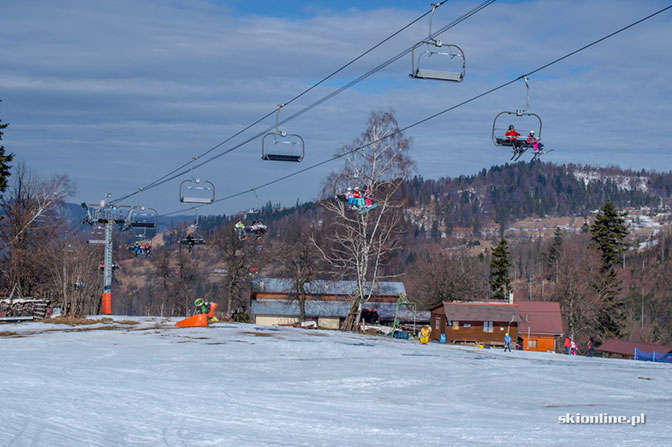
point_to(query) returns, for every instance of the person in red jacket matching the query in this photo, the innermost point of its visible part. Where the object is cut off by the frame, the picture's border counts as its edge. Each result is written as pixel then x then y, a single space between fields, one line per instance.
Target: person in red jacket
pixel 568 344
pixel 357 195
pixel 512 136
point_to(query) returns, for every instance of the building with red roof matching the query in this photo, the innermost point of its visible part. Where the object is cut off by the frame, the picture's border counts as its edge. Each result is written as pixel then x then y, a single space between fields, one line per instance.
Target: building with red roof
pixel 540 325
pixel 626 349
pixel 474 322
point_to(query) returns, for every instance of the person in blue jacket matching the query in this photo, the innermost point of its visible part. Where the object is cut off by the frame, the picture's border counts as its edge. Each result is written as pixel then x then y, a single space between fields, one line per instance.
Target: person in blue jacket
pixel 507 342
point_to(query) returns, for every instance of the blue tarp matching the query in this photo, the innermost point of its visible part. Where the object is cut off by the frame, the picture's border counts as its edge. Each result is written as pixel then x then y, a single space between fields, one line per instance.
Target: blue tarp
pixel 653 356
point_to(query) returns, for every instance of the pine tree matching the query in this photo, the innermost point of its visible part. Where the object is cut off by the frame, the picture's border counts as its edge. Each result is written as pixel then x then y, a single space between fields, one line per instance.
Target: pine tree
pixel 500 281
pixel 4 161
pixel 556 244
pixel 608 233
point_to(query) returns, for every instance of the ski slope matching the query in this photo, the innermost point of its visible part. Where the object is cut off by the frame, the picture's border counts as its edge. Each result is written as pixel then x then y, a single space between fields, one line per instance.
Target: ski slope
pixel 152 384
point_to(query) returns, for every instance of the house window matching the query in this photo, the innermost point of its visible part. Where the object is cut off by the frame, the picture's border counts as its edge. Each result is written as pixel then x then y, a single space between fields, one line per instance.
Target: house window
pixel 456 325
pixel 437 323
pixel 531 344
pixel 487 326
pixel 466 325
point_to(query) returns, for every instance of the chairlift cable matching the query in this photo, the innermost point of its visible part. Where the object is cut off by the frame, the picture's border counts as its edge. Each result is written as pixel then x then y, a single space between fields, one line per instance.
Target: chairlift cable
pixel 487 92
pixel 175 174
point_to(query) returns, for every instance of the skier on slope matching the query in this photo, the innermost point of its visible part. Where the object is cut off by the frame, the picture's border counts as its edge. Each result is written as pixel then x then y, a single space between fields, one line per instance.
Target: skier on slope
pixel 507 342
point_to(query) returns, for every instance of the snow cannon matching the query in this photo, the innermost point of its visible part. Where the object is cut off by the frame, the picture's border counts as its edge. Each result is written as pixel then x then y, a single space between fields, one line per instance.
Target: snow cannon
pixel 213 306
pixel 200 320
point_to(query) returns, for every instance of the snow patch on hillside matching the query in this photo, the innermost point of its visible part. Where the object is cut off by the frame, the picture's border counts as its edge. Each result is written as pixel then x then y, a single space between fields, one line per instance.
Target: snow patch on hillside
pixel 623 182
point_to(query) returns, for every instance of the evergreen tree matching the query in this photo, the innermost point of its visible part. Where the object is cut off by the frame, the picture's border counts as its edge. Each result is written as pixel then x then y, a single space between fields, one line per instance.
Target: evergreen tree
pixel 608 233
pixel 500 281
pixel 556 244
pixel 4 161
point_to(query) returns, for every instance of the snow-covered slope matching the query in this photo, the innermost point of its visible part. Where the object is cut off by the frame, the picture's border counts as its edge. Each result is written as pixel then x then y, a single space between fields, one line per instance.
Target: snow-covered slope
pixel 623 182
pixel 244 385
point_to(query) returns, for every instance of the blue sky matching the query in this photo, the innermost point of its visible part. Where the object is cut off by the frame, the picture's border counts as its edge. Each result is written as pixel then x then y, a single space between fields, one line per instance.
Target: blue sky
pixel 117 94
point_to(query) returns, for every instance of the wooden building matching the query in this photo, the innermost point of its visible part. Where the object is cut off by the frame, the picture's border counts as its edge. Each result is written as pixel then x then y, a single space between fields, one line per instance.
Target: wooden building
pixel 626 349
pixel 274 302
pixel 540 325
pixel 484 322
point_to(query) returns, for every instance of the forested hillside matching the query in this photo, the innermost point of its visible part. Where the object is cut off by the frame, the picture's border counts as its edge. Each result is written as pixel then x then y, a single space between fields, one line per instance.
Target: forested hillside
pixel 503 194
pixel 515 191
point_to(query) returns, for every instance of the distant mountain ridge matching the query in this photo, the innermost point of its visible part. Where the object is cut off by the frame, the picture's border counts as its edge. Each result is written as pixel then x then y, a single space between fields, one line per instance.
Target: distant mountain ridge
pixel 516 191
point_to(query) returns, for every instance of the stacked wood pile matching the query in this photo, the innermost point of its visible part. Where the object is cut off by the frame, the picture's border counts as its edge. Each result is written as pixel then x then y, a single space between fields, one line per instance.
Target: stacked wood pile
pixel 23 307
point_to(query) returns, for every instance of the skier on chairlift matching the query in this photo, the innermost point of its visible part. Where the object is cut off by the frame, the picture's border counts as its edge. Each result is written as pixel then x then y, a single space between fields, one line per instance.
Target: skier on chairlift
pixel 258 229
pixel 349 196
pixel 240 227
pixel 512 136
pixel 357 198
pixel 532 141
pixel 368 195
pixel 190 241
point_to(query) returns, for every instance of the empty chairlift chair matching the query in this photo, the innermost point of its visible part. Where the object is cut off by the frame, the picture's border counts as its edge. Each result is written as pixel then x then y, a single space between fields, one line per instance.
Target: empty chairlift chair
pixel 279 145
pixel 140 217
pixel 422 68
pixel 195 190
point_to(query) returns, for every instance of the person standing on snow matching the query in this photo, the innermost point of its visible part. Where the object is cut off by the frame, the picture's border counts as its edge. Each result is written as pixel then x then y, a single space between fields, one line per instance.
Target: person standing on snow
pixel 573 349
pixel 591 347
pixel 507 342
pixel 568 344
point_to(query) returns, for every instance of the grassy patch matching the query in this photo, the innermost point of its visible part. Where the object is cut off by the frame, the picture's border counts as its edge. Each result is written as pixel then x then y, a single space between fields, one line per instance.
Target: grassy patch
pixel 260 334
pixel 9 334
pixel 73 321
pixel 128 322
pixel 85 329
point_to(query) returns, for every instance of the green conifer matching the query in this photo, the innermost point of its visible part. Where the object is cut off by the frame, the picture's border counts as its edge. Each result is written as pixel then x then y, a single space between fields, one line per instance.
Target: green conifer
pixel 4 161
pixel 500 281
pixel 608 233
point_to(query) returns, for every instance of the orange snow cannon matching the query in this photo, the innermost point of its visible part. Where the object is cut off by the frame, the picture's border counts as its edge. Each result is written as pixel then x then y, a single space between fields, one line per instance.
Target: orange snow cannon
pixel 200 320
pixel 213 306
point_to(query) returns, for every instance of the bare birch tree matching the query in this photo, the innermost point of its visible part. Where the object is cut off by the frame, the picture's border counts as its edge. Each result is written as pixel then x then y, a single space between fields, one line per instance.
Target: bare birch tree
pixel 360 243
pixel 31 209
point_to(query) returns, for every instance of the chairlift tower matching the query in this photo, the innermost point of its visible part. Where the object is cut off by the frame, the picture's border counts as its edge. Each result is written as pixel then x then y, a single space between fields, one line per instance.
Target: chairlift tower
pixel 108 215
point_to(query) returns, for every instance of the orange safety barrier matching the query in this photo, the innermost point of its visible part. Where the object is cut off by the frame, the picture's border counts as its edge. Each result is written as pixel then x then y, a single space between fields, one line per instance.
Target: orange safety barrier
pixel 107 303
pixel 213 306
pixel 200 320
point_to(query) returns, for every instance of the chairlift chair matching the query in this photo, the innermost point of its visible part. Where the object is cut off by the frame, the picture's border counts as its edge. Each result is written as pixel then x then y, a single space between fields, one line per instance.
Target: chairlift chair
pixel 141 217
pixel 195 190
pixel 531 121
pixel 255 209
pixel 435 47
pixel 195 224
pixel 279 145
pixel 192 239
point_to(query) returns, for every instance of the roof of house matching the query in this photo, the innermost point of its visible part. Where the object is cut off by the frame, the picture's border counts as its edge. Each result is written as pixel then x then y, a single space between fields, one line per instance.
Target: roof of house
pixel 476 311
pixel 625 347
pixel 333 309
pixel 322 287
pixel 541 317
